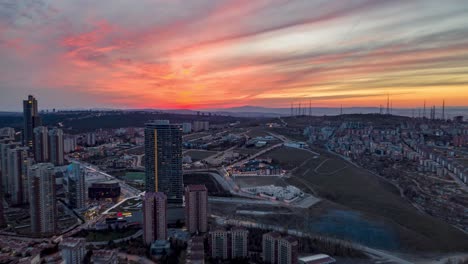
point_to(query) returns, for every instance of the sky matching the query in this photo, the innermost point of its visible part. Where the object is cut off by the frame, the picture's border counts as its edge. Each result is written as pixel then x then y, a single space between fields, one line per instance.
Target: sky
pixel 201 54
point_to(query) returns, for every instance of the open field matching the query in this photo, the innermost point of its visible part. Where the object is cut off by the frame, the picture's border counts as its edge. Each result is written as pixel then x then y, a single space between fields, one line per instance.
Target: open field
pixel 288 158
pixel 134 176
pixel 358 189
pixel 197 155
pixel 257 132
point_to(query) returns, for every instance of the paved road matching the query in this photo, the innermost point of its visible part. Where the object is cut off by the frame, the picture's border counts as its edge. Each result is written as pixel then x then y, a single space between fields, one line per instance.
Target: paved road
pixel 255 155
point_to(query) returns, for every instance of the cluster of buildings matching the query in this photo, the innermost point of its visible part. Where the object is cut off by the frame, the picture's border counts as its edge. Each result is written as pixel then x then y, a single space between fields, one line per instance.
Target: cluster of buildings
pixel 419 157
pixel 258 167
pixel 287 194
pixel 28 169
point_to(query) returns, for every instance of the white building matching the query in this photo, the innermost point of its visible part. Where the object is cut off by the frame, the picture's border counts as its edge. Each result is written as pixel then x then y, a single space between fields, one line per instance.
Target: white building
pixel 69 144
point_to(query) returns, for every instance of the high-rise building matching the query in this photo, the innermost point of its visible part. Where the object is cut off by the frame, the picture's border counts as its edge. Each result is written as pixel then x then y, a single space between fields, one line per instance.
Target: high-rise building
pixel 154 217
pixel 5 145
pixel 18 163
pixel 31 120
pixel 42 203
pixel 75 186
pixel 270 247
pixel 201 126
pixel 218 243
pixel 231 244
pixel 279 250
pixel 163 160
pixel 41 144
pixel 56 146
pixel 7 133
pixel 2 214
pixel 69 143
pixel 73 250
pixel 186 127
pixel 288 250
pixel 239 241
pixel 196 208
pixel 91 139
pixel 195 250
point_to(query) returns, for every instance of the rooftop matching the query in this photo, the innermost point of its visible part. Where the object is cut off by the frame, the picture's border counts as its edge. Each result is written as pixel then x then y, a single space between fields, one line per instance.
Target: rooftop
pixel 71 242
pixel 196 187
pixel 316 259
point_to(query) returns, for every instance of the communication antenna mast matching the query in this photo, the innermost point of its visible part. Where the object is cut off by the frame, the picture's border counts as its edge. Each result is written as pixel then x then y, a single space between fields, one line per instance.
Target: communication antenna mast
pixel 443 109
pixel 424 111
pixel 388 104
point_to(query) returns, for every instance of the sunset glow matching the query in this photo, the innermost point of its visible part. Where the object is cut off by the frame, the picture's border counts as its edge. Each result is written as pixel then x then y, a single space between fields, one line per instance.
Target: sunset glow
pixel 213 54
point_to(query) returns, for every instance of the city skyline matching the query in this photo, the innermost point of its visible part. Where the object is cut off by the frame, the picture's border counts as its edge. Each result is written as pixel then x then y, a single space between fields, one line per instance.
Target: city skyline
pixel 205 54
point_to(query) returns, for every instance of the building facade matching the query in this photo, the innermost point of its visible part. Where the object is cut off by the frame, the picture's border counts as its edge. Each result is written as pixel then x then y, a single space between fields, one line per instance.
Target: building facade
pixel 42 203
pixel 18 163
pixel 154 217
pixel 69 144
pixel 163 160
pixel 232 244
pixel 31 120
pixel 5 146
pixel 288 250
pixel 56 146
pixel 75 186
pixel 73 250
pixel 196 208
pixel 201 126
pixel 41 144
pixel 279 250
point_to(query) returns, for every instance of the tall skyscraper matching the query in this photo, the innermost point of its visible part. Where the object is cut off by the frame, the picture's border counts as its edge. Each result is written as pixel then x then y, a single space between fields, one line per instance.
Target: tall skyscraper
pixel 163 159
pixel 279 250
pixel 196 208
pixel 56 146
pixel 31 120
pixel 154 217
pixel 75 186
pixel 42 203
pixel 18 163
pixel 5 145
pixel 73 250
pixel 41 144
